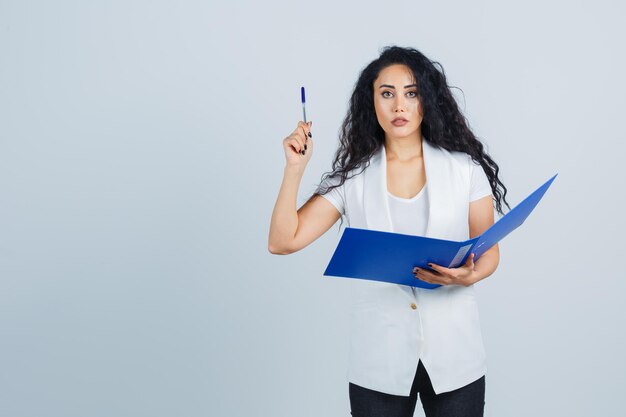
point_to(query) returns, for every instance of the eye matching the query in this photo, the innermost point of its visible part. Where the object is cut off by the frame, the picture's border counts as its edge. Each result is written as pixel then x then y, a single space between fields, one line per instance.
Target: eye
pixel 385 92
pixel 414 93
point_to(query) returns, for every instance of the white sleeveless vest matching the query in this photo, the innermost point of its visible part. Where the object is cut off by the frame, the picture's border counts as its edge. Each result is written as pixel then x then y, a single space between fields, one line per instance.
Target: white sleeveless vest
pixel 388 335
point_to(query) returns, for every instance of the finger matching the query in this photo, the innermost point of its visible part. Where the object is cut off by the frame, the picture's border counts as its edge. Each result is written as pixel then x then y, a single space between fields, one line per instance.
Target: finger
pixel 302 143
pixel 305 132
pixel 436 277
pixel 296 145
pixel 441 279
pixel 301 137
pixel 423 273
pixel 425 280
pixel 439 268
pixel 306 129
pixel 470 260
pixel 293 141
pixel 421 277
pixel 433 279
pixel 307 125
pixel 301 140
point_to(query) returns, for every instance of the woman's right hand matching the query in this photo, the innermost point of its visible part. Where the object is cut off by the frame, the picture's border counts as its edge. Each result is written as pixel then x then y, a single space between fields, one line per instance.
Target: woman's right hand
pixel 297 143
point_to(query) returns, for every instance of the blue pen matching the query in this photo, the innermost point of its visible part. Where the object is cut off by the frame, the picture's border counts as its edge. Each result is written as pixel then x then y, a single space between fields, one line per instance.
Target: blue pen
pixel 303 101
pixel 303 113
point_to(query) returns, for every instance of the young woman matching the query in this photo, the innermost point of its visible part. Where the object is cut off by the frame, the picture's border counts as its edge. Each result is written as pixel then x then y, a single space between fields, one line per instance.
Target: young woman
pixel 407 163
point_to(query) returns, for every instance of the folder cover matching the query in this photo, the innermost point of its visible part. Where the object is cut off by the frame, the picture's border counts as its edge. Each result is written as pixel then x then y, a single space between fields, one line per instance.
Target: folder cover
pixel 391 257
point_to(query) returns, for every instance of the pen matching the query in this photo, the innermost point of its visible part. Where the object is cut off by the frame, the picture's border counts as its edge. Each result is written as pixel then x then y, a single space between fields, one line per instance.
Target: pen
pixel 303 111
pixel 303 101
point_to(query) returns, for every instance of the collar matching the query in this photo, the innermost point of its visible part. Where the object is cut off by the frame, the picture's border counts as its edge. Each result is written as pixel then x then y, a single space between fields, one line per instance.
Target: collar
pixel 437 171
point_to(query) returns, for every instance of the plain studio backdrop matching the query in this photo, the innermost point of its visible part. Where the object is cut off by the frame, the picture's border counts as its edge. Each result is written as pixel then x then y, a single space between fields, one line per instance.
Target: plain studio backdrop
pixel 140 160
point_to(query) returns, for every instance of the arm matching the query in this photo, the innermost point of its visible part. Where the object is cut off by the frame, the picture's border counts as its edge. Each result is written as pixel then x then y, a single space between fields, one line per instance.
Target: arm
pixel 481 219
pixel 292 230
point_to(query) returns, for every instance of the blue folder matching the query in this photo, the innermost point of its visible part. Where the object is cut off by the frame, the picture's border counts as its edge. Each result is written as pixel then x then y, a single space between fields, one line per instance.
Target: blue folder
pixel 391 257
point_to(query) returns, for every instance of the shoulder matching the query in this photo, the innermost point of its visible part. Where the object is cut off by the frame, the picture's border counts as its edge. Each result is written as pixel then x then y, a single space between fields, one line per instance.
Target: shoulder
pixel 355 174
pixel 453 156
pixel 332 181
pixel 461 159
pixel 351 175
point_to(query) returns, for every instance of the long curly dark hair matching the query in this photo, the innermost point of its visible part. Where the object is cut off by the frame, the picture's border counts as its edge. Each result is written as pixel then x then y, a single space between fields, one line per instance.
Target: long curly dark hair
pixel 443 124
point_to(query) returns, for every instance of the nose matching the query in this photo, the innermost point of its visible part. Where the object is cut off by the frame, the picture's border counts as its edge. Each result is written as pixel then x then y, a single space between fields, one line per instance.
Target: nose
pixel 398 104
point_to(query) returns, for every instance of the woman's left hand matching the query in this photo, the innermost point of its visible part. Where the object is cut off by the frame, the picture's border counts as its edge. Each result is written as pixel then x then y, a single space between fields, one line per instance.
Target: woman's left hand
pixel 464 275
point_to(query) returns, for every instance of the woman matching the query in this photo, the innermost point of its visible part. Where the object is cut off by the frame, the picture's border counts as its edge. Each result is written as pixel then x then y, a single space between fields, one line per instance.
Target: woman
pixel 407 163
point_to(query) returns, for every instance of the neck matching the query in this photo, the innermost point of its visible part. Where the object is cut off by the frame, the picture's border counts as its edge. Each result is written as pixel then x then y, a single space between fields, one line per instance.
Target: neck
pixel 404 149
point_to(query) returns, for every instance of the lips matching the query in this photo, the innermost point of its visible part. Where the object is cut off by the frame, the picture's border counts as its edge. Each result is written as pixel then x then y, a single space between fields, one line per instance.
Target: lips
pixel 399 121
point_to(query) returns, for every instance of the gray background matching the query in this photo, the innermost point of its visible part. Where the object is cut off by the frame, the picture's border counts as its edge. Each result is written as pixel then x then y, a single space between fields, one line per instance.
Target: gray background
pixel 141 156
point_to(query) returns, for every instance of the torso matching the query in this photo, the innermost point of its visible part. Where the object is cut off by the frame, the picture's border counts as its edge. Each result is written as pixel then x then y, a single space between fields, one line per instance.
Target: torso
pixel 406 179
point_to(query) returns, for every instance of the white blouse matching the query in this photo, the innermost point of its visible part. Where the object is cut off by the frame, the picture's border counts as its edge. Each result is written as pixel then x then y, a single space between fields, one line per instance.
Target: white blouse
pixel 409 216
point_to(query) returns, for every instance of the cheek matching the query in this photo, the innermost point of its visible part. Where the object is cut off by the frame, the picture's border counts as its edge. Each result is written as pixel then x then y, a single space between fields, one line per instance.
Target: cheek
pixel 419 110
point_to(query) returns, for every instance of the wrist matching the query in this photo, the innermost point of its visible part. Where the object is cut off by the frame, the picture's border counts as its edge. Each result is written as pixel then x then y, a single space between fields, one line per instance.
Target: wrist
pixel 473 278
pixel 294 170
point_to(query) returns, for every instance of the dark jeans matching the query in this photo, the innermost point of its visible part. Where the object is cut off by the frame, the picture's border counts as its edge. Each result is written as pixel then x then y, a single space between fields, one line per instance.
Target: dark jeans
pixel 467 401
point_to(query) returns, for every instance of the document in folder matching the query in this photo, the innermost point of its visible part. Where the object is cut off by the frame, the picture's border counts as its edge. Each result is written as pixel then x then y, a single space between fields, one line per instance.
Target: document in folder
pixel 391 257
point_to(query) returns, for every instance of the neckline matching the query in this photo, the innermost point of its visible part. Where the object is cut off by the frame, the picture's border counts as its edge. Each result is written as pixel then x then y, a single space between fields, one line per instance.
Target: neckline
pixel 408 200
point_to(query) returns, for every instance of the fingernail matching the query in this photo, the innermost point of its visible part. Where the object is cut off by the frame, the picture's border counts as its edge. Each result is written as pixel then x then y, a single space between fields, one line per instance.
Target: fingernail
pixel 305 146
pixel 431 265
pixel 303 152
pixel 310 135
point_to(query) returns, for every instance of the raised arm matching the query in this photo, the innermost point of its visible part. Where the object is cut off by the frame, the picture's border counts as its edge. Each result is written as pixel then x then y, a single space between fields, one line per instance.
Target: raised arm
pixel 292 229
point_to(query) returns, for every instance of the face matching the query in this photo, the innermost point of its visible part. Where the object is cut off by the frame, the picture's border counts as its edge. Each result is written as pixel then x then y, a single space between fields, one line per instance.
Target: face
pixel 395 96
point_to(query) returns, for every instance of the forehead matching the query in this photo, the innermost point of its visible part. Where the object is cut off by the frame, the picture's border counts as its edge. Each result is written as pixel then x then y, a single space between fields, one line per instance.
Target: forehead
pixel 396 73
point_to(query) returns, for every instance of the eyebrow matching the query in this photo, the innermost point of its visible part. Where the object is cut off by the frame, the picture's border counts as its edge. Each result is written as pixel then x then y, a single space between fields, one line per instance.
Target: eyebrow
pixel 391 86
